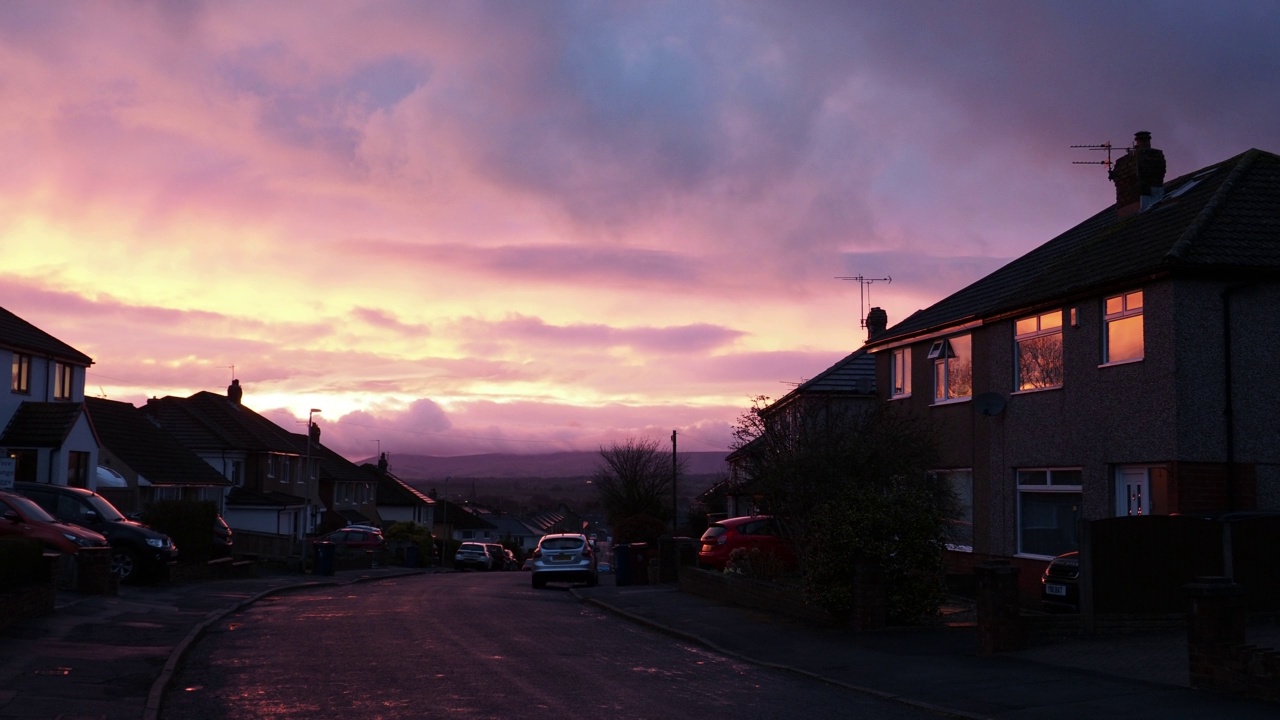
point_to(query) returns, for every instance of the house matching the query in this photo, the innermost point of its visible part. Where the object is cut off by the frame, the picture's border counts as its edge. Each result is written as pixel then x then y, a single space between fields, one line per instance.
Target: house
pixel 150 463
pixel 46 433
pixel 1121 368
pixel 348 492
pixel 848 385
pixel 454 522
pixel 399 501
pixel 272 492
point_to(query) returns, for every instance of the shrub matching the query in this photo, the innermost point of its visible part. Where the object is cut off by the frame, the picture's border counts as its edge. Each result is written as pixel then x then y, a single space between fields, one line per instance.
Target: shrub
pixel 754 563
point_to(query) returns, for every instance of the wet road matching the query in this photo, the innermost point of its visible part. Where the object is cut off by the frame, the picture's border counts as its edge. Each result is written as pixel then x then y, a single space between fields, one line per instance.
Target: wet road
pixel 475 645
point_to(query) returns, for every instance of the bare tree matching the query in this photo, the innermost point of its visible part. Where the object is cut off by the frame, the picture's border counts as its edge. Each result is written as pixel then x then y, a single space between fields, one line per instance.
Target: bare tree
pixel 634 482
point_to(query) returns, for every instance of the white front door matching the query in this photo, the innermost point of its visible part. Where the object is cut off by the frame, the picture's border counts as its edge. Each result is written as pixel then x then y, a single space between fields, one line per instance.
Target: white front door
pixel 1133 491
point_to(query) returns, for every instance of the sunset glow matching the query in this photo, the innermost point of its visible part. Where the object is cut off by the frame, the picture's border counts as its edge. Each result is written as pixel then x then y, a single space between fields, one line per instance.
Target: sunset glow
pixel 526 227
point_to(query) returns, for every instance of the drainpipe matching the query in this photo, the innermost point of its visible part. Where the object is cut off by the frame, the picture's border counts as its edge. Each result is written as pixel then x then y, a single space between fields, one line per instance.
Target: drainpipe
pixel 1228 411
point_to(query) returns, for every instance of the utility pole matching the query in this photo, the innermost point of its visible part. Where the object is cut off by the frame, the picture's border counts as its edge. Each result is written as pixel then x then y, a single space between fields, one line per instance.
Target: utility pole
pixel 675 506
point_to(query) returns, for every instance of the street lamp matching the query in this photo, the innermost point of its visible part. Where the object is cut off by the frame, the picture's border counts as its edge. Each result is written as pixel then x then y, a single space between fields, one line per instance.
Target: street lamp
pixel 306 471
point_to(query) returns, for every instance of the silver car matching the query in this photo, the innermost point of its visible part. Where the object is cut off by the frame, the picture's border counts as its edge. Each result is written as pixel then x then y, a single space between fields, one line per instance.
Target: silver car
pixel 564 557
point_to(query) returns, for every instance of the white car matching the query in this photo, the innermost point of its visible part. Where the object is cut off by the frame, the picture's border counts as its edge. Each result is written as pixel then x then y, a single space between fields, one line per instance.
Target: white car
pixel 472 554
pixel 566 557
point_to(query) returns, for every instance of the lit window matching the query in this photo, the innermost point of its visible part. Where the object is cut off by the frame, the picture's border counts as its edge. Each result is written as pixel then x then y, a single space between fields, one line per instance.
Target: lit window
pixel 1124 328
pixel 952 368
pixel 21 373
pixel 902 372
pixel 1048 511
pixel 1039 340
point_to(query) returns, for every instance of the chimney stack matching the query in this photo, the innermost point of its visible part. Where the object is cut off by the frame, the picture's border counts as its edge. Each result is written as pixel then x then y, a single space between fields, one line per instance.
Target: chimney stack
pixel 234 392
pixel 877 321
pixel 1139 177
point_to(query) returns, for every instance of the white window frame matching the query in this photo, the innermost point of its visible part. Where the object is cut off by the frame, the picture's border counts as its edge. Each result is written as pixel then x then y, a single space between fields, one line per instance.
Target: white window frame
pixel 1048 487
pixel 900 372
pixel 942 353
pixel 1032 329
pixel 1130 305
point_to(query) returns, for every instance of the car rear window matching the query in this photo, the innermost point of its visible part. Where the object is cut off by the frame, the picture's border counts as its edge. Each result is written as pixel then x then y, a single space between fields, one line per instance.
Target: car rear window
pixel 714 532
pixel 562 544
pixel 471 547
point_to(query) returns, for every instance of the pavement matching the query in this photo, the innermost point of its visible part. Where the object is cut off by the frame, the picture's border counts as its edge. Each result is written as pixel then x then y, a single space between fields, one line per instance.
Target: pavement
pixel 104 658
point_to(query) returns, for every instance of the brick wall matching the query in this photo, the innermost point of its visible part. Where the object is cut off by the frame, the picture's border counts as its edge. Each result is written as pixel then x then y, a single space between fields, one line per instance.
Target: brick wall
pixel 36 599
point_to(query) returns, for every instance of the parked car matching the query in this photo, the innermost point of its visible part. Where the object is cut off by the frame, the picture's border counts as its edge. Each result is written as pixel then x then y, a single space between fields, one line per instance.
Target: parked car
pixel 752 531
pixel 497 556
pixel 137 551
pixel 1060 584
pixel 223 538
pixel 564 557
pixel 472 555
pixel 354 539
pixel 21 517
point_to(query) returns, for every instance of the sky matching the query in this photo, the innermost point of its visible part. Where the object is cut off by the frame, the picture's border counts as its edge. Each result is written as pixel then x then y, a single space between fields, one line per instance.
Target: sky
pixel 472 227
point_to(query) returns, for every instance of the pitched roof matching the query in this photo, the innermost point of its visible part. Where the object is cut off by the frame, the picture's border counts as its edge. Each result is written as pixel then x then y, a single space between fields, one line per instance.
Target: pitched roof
pixel 41 424
pixel 18 334
pixel 208 421
pixel 1222 217
pixel 855 374
pixel 147 449
pixel 392 491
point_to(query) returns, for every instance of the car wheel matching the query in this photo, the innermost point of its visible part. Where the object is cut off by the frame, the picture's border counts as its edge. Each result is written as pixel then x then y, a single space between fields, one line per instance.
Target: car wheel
pixel 124 563
pixel 539 583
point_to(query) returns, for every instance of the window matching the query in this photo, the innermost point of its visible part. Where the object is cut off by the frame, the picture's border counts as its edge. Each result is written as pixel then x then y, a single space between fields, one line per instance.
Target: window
pixel 1124 328
pixel 952 368
pixel 1039 340
pixel 78 469
pixel 271 466
pixel 62 381
pixel 1048 511
pixel 21 373
pixel 901 372
pixel 959 534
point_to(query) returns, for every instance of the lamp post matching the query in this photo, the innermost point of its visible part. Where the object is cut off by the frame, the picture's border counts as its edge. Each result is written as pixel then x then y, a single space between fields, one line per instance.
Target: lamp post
pixel 306 471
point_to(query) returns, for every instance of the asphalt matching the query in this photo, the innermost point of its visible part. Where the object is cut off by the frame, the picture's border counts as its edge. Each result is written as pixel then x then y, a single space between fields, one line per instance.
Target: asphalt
pixel 104 658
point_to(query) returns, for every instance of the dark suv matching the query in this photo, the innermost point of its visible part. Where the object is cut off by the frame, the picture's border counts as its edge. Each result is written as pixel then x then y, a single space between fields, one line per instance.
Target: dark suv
pixel 136 550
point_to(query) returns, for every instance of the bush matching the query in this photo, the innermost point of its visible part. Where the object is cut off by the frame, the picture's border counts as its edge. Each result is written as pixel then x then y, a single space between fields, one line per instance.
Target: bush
pixel 639 529
pixel 755 563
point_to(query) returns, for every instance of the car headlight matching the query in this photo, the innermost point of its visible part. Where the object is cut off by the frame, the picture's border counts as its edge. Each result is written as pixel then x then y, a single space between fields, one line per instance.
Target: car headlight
pixel 78 540
pixel 157 542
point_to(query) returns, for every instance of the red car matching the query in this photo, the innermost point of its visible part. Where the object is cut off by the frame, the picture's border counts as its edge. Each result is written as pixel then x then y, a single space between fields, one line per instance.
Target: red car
pixel 21 517
pixel 354 538
pixel 753 531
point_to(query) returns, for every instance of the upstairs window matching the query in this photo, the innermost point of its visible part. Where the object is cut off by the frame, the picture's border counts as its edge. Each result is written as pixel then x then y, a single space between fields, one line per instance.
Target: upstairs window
pixel 1124 328
pixel 63 376
pixel 1039 340
pixel 901 372
pixel 21 374
pixel 952 368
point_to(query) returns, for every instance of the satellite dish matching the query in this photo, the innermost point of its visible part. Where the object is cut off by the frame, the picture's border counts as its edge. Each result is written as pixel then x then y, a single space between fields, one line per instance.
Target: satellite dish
pixel 989 404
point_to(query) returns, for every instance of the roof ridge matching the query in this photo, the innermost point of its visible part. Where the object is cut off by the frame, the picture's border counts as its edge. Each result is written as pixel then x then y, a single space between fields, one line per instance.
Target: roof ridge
pixel 1183 244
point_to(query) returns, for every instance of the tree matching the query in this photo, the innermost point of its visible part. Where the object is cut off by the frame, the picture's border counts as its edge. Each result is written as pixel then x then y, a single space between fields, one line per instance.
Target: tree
pixel 849 483
pixel 634 483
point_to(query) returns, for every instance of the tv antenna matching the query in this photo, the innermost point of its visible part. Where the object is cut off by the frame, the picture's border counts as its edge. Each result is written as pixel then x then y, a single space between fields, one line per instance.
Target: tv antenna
pixel 1106 146
pixel 864 293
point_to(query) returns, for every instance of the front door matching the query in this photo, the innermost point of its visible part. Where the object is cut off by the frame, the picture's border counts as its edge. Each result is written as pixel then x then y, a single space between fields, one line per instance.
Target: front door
pixel 1133 491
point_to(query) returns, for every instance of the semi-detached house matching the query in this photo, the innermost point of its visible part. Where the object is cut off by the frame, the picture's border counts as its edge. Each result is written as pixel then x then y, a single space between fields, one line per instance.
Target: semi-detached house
pixel 1124 367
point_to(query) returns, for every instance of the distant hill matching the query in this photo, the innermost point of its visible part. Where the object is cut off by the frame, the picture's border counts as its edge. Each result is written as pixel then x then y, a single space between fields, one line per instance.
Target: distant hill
pixel 551 465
